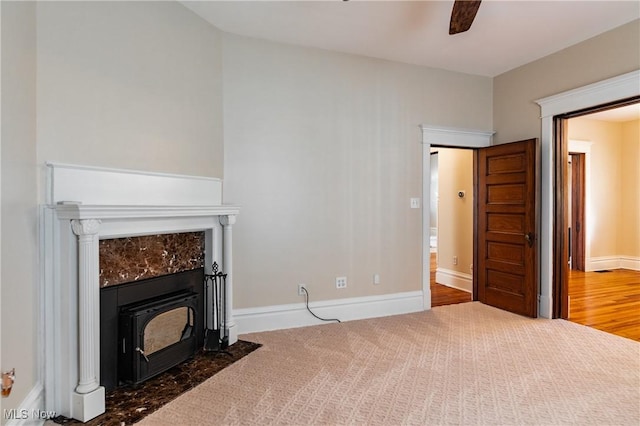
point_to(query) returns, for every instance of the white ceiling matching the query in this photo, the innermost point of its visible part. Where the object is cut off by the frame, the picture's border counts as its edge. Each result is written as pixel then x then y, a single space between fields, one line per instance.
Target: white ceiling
pixel 504 35
pixel 627 113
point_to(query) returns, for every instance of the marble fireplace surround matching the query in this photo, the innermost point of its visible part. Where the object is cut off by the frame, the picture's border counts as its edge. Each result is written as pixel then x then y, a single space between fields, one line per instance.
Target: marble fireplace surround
pixel 83 206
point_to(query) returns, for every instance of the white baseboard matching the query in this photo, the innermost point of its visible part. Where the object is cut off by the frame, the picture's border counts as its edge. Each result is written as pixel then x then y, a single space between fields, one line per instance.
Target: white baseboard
pixel 629 262
pixel 294 315
pixel 454 279
pixel 602 262
pixel 31 410
pixel 613 262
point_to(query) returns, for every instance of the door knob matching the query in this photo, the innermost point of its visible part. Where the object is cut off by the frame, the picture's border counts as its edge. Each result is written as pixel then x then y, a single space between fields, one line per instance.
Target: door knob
pixel 529 237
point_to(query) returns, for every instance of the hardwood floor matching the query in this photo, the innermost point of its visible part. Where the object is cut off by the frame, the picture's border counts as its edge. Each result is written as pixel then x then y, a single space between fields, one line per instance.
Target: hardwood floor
pixel 443 295
pixel 608 301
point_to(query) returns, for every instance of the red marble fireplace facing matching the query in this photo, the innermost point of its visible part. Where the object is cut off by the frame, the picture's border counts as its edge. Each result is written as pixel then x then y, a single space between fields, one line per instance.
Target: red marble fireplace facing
pixel 130 259
pixel 139 270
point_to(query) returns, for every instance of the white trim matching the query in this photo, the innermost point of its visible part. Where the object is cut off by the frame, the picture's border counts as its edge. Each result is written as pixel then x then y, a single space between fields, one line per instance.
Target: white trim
pixel 455 279
pixel 601 263
pixel 83 211
pixel 426 225
pixel 79 167
pixel 108 186
pixel 629 262
pixel 446 137
pixel 610 90
pixel 294 315
pixel 579 146
pixel 544 306
pixel 455 137
pixel 547 162
pixel 1 144
pixel 28 411
pixel 613 262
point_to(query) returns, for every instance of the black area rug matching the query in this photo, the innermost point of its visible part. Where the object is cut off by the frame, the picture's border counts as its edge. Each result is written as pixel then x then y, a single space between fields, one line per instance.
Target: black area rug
pixel 129 404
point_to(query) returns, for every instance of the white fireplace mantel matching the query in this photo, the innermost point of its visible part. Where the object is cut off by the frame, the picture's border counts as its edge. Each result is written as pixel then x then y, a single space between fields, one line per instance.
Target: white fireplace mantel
pixel 85 205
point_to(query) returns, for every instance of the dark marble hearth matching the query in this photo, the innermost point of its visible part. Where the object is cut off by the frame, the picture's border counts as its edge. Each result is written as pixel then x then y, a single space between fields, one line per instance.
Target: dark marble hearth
pixel 129 404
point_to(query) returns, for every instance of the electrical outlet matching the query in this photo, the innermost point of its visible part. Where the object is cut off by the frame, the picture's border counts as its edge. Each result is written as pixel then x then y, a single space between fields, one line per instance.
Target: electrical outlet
pixel 301 289
pixel 455 260
pixel 341 282
pixel 376 279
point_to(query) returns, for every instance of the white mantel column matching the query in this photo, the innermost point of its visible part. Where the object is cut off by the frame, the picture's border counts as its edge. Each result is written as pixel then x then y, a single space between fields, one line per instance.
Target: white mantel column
pixel 89 396
pixel 227 259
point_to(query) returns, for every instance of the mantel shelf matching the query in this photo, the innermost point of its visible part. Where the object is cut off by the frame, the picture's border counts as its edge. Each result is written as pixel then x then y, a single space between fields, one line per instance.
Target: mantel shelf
pixel 116 212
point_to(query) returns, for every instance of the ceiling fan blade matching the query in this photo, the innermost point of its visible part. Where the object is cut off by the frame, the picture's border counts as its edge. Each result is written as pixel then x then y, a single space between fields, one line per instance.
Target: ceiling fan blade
pixel 462 15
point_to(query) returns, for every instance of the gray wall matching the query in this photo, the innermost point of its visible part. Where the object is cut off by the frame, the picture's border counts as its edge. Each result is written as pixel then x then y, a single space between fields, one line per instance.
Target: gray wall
pixel 19 304
pixel 323 152
pixel 132 85
pixel 516 115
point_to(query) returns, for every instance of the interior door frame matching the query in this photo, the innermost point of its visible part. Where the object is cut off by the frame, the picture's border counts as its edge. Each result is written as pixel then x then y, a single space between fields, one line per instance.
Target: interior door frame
pixel 562 221
pixel 578 203
pixel 445 137
pixel 461 139
pixel 606 92
pixel 583 147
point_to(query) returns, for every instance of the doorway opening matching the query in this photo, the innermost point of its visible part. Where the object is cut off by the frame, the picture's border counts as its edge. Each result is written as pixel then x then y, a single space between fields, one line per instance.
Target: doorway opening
pixel 577 185
pixel 598 234
pixel 605 92
pixel 439 136
pixel 451 226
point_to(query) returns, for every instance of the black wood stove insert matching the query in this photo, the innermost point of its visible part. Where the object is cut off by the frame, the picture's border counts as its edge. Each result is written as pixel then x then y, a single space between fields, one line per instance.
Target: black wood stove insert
pixel 156 335
pixel 148 326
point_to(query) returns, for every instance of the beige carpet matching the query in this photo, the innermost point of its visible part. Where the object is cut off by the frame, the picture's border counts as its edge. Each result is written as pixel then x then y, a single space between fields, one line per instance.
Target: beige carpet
pixel 458 364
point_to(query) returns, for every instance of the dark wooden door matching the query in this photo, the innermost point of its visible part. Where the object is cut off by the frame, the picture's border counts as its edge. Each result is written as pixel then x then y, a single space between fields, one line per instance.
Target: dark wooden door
pixel 507 243
pixel 577 211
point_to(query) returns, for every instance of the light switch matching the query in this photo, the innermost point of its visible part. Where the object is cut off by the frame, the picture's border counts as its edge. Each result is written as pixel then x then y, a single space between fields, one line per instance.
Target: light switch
pixel 415 203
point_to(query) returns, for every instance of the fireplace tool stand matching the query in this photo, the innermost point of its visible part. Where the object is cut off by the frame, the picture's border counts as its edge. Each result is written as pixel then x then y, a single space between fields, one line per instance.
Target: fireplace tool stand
pixel 216 336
